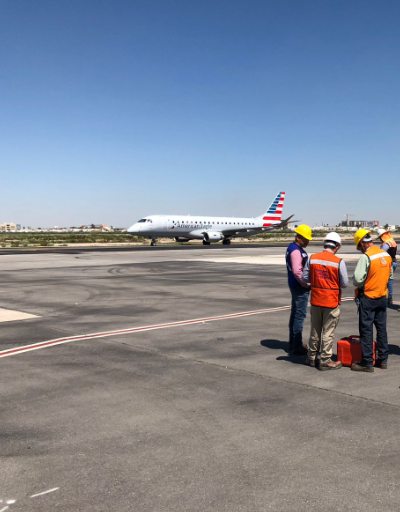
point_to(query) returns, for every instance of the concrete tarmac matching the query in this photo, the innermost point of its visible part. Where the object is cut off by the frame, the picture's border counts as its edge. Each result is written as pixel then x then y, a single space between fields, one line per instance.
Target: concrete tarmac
pixel 214 415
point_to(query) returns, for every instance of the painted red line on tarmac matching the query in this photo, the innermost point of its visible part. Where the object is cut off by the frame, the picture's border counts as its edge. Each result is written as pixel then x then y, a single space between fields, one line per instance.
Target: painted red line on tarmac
pixel 70 339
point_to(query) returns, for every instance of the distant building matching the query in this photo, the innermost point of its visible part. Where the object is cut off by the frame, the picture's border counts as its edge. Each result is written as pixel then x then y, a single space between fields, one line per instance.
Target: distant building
pixel 360 223
pixel 8 227
pixel 94 227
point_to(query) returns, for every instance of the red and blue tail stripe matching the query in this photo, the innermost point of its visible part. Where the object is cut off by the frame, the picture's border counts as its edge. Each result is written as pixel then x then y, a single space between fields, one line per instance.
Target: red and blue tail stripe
pixel 274 212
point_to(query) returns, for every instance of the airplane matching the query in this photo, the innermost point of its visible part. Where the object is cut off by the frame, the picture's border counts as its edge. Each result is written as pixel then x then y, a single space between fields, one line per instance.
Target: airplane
pixel 184 228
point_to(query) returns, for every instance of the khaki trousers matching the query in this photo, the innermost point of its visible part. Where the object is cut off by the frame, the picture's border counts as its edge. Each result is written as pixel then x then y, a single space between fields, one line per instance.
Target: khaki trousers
pixel 323 325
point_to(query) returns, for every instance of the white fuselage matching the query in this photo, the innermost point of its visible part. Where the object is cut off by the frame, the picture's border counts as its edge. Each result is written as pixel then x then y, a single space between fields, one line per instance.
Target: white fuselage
pixel 194 226
pixel 210 229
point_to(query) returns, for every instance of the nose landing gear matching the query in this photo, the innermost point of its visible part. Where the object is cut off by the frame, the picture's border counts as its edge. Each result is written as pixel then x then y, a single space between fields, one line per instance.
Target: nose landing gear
pixel 153 242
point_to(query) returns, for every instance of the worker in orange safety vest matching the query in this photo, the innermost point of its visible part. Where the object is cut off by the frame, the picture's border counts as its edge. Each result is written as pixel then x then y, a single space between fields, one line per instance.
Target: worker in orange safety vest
pixel 371 276
pixel 389 245
pixel 327 274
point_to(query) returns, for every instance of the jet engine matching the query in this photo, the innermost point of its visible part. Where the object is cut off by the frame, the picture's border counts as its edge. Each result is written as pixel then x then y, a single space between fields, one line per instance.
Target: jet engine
pixel 213 236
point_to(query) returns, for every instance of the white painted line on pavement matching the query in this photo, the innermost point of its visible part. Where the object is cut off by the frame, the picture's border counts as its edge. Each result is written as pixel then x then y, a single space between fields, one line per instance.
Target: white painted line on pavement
pixel 44 492
pixel 82 337
pixel 9 315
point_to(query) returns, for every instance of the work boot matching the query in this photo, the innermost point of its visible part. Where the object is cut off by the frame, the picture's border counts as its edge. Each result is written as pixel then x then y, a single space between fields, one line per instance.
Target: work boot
pixel 303 351
pixel 329 365
pixel 357 367
pixel 381 364
pixel 309 362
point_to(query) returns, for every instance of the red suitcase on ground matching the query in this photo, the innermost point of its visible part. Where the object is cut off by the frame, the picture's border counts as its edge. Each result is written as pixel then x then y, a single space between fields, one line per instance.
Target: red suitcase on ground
pixel 349 350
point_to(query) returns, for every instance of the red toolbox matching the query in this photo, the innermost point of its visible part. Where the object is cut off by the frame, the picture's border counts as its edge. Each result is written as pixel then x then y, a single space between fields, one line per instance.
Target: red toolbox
pixel 349 350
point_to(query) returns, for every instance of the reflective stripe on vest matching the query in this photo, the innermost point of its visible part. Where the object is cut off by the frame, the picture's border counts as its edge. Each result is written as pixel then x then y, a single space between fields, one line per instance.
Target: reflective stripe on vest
pixel 380 263
pixel 325 284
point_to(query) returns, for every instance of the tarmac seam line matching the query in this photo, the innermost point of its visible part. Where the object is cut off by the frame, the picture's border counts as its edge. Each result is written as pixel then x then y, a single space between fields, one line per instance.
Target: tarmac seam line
pixel 254 374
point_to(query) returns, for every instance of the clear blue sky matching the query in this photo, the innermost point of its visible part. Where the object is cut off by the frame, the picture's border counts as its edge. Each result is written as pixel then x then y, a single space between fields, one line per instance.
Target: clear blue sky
pixel 116 109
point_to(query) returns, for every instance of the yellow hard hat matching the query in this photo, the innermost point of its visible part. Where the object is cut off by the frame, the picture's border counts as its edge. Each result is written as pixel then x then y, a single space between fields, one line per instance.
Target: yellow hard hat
pixel 360 234
pixel 304 231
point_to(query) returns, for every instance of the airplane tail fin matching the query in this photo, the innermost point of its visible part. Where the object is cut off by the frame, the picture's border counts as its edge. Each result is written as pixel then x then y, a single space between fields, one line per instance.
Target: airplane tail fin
pixel 274 212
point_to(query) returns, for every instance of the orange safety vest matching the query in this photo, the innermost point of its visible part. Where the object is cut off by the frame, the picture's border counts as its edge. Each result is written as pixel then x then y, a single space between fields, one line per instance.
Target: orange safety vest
pixel 376 284
pixel 388 239
pixel 324 276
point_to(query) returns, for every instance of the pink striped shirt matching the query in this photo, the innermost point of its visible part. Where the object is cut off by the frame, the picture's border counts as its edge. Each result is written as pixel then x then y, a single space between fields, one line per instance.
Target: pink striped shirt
pixel 296 262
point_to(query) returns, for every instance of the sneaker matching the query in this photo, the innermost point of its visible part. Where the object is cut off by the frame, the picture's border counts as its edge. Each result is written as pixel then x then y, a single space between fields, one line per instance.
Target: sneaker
pixel 357 367
pixel 381 364
pixel 309 362
pixel 330 365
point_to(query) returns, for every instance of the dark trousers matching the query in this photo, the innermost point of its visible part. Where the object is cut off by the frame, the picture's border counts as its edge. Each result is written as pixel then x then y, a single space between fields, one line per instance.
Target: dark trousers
pixel 390 283
pixel 373 312
pixel 297 316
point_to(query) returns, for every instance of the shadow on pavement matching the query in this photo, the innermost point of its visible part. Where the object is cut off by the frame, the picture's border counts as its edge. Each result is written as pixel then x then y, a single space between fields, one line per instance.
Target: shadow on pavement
pixel 283 345
pixel 275 344
pixel 290 358
pixel 394 350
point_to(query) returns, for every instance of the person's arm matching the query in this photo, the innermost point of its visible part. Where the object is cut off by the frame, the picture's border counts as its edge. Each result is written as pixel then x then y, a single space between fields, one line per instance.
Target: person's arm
pixel 343 277
pixel 385 247
pixel 361 271
pixel 296 262
pixel 305 277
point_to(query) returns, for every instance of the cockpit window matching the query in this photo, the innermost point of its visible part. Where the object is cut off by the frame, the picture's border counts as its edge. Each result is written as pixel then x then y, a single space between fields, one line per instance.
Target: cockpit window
pixel 142 220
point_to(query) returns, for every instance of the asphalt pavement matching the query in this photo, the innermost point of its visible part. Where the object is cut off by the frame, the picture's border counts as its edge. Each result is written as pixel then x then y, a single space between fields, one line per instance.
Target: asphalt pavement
pixel 161 395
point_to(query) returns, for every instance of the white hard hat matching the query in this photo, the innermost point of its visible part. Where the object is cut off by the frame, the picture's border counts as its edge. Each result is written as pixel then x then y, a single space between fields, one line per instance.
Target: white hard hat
pixel 380 232
pixel 333 239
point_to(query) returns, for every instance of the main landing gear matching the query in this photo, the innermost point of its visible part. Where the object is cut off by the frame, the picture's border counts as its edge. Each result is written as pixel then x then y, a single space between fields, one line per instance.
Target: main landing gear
pixel 206 242
pixel 226 241
pixel 153 242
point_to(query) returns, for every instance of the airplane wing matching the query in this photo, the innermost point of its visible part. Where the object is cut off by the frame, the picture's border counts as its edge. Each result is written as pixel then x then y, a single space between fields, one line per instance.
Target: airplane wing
pixel 282 224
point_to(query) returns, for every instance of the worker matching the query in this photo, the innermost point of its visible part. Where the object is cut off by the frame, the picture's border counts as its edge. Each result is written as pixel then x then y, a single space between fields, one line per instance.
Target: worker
pixel 296 258
pixel 390 246
pixel 327 274
pixel 371 276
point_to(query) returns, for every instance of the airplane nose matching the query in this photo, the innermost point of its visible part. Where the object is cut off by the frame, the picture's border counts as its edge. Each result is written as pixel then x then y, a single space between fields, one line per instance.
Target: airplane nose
pixel 135 228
